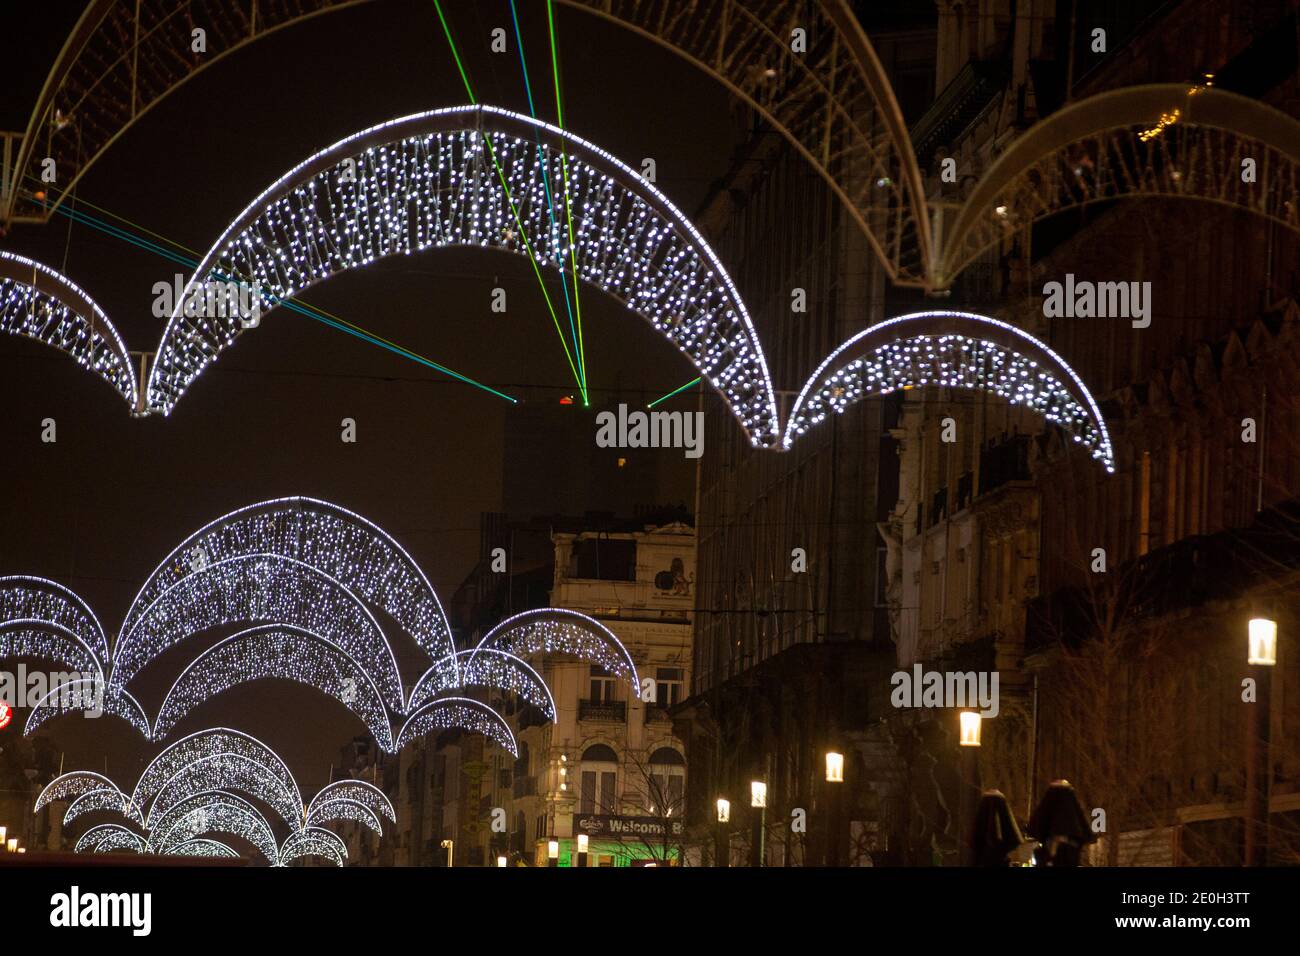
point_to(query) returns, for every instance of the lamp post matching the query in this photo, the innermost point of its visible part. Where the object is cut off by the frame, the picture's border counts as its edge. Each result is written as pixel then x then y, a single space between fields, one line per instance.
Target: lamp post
pixel 1261 656
pixel 834 794
pixel 552 853
pixel 582 849
pixel 722 839
pixel 971 726
pixel 450 847
pixel 758 801
pixel 502 861
pixel 12 845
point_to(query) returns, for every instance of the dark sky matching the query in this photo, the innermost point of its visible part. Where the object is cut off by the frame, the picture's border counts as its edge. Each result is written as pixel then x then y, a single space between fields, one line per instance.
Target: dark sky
pixel 99 508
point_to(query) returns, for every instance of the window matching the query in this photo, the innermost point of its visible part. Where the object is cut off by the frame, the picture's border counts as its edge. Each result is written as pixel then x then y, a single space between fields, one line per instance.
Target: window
pixel 599 780
pixel 603 559
pixel 665 783
pixel 669 686
pixel 602 685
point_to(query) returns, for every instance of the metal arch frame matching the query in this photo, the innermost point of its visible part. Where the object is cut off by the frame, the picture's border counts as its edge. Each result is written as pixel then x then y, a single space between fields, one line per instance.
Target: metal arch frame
pixel 380 804
pixel 487 712
pixel 124 808
pixel 94 781
pixel 939 323
pixel 275 763
pixel 74 600
pixel 843 77
pixel 427 686
pixel 347 595
pixel 160 833
pixel 303 505
pixel 313 837
pixel 761 407
pixel 294 797
pixel 50 629
pixel 124 706
pixel 557 614
pixel 1127 108
pixel 382 731
pixel 107 832
pixel 92 322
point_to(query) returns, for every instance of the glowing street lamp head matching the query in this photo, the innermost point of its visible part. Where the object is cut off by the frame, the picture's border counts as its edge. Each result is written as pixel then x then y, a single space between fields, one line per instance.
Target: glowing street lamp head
pixel 553 849
pixel 1263 641
pixel 12 845
pixel 757 793
pixel 834 767
pixel 582 842
pixel 501 861
pixel 724 810
pixel 970 728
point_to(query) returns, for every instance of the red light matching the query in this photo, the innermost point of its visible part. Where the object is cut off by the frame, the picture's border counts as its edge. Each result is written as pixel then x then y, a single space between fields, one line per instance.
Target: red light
pixel 6 715
pixel 567 400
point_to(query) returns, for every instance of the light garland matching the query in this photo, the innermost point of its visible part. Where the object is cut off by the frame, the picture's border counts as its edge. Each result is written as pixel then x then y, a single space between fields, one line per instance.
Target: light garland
pixel 330 539
pixel 213 812
pixel 284 653
pixel 206 848
pixel 72 697
pixel 42 601
pixel 923 349
pixel 552 630
pixel 260 588
pixel 75 783
pixel 229 772
pixel 340 810
pixel 358 791
pixel 108 798
pixel 484 667
pixel 463 713
pixel 38 303
pixel 203 744
pixel 313 841
pixel 422 182
pixel 108 837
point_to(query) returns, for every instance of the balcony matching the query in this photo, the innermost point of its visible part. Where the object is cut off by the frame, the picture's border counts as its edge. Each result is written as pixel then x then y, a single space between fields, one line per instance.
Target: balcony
pixel 655 715
pixel 609 710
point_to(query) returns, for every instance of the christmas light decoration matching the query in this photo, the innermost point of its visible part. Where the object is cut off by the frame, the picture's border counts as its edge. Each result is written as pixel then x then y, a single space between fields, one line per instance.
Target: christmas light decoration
pixel 26 637
pixel 259 588
pixel 77 696
pixel 330 539
pixel 486 667
pixel 229 772
pixel 39 303
pixel 39 601
pixel 551 630
pixel 313 841
pixel 213 812
pixel 461 712
pixel 281 652
pixel 337 810
pixel 358 791
pixel 210 849
pixel 108 798
pixel 425 181
pixel 75 783
pixel 203 744
pixel 108 837
pixel 953 350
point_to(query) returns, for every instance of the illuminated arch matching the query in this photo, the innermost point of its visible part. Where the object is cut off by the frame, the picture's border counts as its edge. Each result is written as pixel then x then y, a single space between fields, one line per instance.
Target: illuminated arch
pixel 38 303
pixel 229 772
pixel 281 652
pixel 954 350
pixel 487 667
pixel 340 543
pixel 28 637
pixel 1160 140
pixel 833 101
pixel 108 837
pixel 106 798
pixel 356 791
pixel 207 848
pixel 557 630
pixel 73 784
pixel 313 841
pixel 260 588
pixel 213 812
pixel 71 697
pixel 425 181
pixel 332 811
pixel 201 745
pixel 40 603
pixel 460 712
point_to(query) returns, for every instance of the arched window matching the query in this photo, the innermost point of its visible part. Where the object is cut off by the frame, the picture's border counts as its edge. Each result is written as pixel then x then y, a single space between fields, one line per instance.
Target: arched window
pixel 666 783
pixel 599 780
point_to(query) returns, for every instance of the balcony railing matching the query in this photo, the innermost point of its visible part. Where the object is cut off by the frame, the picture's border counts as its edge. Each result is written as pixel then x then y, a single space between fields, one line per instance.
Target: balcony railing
pixel 613 710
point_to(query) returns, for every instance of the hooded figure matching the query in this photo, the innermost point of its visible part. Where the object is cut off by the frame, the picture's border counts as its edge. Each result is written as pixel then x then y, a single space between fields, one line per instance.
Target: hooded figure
pixel 996 833
pixel 1060 825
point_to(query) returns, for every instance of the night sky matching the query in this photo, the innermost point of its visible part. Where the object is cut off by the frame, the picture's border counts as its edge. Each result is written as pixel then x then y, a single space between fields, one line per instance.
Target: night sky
pixel 98 509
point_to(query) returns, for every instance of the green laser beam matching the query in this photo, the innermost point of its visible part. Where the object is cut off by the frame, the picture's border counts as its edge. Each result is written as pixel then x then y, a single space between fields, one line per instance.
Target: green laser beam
pixel 676 391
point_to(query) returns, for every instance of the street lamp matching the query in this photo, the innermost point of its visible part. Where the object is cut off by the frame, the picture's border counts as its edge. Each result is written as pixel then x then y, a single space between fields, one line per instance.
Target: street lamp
pixel 834 775
pixel 451 849
pixel 970 728
pixel 722 839
pixel 724 811
pixel 1261 654
pixel 758 801
pixel 553 853
pixel 502 861
pixel 582 849
pixel 969 740
pixel 12 845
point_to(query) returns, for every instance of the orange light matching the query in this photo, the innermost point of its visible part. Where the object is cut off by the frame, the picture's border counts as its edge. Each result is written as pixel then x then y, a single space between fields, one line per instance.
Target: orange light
pixel 567 400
